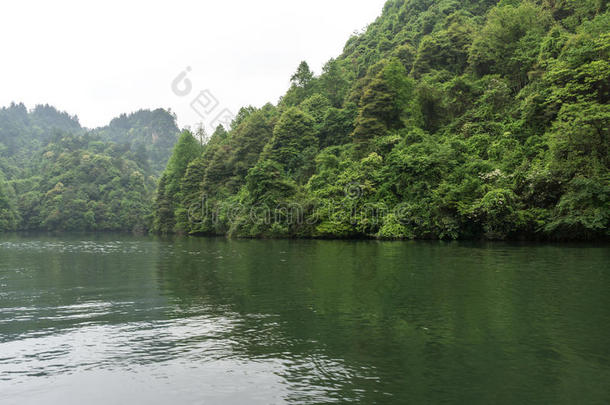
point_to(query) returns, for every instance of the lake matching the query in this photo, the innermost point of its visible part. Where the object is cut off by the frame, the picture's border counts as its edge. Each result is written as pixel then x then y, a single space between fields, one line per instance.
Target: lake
pixel 101 319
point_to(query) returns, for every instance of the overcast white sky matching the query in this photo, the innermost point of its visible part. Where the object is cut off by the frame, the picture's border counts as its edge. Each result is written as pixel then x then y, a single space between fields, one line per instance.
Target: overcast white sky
pixel 98 59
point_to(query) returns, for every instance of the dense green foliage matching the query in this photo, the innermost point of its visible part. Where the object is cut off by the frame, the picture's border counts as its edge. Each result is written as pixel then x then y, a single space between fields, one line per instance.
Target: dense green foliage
pixel 444 119
pixel 56 175
pixel 150 134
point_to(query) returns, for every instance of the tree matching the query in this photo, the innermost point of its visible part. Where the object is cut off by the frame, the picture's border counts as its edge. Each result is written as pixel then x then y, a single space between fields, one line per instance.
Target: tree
pixel 294 144
pixel 446 49
pixel 303 76
pixel 509 42
pixel 384 105
pixel 170 198
pixel 8 212
pixel 334 83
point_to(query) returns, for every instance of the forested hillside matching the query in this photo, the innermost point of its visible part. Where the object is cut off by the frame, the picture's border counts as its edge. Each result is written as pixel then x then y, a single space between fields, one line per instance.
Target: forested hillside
pixel 150 134
pixel 442 120
pixel 56 175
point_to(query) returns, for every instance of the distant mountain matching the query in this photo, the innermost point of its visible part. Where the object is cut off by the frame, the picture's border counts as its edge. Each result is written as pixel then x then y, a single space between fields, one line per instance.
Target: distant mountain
pixel 24 132
pixel 151 132
pixel 57 175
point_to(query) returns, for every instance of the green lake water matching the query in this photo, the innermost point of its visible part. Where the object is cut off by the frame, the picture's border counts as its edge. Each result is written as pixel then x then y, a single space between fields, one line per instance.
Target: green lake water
pixel 111 319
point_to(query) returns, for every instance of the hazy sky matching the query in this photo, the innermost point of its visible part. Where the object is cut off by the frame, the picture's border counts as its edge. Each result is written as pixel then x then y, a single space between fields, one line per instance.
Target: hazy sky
pixel 98 59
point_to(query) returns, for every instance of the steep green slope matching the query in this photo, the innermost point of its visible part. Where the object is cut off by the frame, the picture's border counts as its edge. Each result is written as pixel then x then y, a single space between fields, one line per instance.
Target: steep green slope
pixel 444 119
